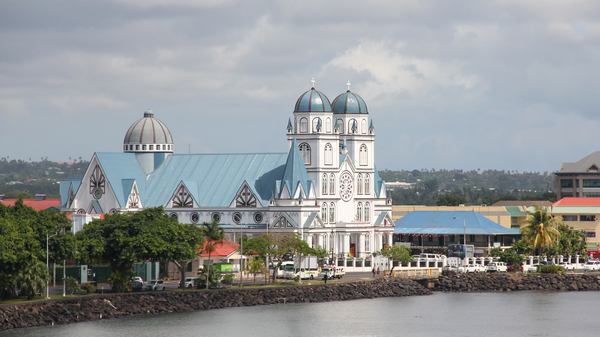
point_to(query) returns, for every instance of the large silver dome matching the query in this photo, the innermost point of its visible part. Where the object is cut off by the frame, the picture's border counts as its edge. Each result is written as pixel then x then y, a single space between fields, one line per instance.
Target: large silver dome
pixel 148 134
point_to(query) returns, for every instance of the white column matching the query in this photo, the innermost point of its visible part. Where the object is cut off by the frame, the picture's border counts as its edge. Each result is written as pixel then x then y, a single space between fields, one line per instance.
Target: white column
pixel 379 241
pixel 390 239
pixel 309 240
pixel 346 243
pixel 320 241
pixel 361 245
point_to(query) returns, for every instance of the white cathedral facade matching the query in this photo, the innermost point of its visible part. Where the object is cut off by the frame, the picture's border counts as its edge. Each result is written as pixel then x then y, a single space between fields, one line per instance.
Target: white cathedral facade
pixel 326 187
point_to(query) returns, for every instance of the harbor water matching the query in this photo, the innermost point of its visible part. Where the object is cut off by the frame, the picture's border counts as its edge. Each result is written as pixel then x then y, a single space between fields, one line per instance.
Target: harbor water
pixel 529 313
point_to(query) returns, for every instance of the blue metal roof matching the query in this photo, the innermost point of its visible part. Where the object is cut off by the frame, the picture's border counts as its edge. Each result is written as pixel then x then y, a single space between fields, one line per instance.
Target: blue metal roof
pixel 120 169
pixel 349 102
pixel 377 182
pixel 294 174
pixel 432 222
pixel 313 100
pixel 214 179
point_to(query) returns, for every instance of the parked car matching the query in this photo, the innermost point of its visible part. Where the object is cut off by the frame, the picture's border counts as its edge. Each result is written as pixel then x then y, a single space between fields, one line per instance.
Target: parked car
pixel 137 286
pixel 477 268
pixel 155 285
pixel 189 282
pixel 591 266
pixel 497 267
pixel 568 266
pixel 532 268
pixel 137 279
pixel 450 267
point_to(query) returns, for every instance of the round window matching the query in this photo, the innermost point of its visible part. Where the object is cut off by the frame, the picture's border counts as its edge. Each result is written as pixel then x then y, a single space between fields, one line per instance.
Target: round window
pixel 216 217
pixel 258 217
pixel 97 193
pixel 173 216
pixel 113 211
pixel 237 217
pixel 195 217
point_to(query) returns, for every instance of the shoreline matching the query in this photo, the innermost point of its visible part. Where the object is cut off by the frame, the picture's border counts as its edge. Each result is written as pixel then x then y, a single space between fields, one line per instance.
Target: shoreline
pixel 112 305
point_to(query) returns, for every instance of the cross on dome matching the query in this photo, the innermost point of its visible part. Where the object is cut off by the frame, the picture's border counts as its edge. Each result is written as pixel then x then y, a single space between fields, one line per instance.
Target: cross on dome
pixel 313 82
pixel 348 84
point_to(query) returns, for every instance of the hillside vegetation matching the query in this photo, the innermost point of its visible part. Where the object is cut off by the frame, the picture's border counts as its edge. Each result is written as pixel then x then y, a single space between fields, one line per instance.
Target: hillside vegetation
pixel 475 187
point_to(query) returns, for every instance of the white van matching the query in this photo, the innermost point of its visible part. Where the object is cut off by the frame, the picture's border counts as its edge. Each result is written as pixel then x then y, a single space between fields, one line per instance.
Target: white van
pixel 497 266
pixel 282 268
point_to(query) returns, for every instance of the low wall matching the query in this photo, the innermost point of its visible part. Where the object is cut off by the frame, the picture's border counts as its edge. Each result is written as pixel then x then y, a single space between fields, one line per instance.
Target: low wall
pixel 95 307
pixel 515 282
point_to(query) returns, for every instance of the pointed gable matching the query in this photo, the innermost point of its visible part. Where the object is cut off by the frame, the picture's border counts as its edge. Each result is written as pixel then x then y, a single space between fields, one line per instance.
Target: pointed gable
pixel 377 183
pixel 118 167
pixel 245 197
pixel 294 174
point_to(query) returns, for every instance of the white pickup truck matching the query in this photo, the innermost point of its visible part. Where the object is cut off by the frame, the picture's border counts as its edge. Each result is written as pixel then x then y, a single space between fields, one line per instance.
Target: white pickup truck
pixel 332 272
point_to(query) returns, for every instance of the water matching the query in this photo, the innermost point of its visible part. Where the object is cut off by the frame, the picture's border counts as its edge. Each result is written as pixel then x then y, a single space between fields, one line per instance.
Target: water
pixel 442 314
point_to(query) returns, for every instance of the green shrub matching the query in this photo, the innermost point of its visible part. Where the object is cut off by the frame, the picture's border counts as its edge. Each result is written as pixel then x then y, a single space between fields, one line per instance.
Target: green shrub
pixel 228 279
pixel 71 284
pixel 89 287
pixel 553 269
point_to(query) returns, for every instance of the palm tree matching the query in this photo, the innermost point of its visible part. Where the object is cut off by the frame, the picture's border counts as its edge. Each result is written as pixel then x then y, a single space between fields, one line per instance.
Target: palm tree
pixel 32 279
pixel 540 228
pixel 214 236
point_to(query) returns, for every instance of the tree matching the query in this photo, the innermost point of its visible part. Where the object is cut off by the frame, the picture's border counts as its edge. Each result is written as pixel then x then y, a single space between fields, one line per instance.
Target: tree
pixel 571 242
pixel 211 273
pixel 256 265
pixel 539 228
pixel 32 278
pixel 451 200
pixel 122 239
pixel 278 247
pixel 214 236
pixel 184 242
pixel 398 253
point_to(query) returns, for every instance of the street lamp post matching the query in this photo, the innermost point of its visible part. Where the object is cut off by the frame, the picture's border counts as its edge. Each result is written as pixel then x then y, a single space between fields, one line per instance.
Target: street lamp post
pixel 48 265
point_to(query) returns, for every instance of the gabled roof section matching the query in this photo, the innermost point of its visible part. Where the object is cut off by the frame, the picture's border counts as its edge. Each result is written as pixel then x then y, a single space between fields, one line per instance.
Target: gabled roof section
pixel 67 189
pixel 583 165
pixel 284 221
pixel 515 211
pixel 377 182
pixel 379 221
pixel 311 218
pixel 127 187
pixel 217 177
pixel 577 201
pixel 225 249
pixel 118 167
pixel 95 208
pixel 442 222
pixel 294 174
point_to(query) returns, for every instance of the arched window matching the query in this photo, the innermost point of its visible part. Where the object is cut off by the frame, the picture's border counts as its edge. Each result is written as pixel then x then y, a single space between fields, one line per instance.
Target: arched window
pixel 352 126
pixel 324 212
pixel 359 212
pixel 328 154
pixel 305 152
pixel 359 183
pixel 363 156
pixel 304 125
pixel 324 187
pixel 341 125
pixel 367 242
pixel 317 124
pixel 367 212
pixel 332 213
pixel 332 184
pixel 328 125
pixel 367 184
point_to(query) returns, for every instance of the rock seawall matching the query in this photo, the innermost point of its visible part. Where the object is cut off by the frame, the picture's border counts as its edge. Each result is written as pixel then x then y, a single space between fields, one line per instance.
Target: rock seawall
pixel 95 307
pixel 516 282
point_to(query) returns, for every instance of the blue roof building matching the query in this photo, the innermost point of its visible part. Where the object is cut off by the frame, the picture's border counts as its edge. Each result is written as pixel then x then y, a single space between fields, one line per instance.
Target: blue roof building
pixel 324 187
pixel 435 230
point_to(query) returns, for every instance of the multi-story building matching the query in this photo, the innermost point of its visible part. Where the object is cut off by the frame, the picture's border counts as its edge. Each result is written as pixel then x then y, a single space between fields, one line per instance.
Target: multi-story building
pixel 579 179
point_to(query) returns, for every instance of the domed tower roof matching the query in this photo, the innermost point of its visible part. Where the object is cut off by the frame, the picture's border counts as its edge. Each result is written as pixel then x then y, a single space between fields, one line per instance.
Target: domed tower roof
pixel 313 101
pixel 349 103
pixel 148 134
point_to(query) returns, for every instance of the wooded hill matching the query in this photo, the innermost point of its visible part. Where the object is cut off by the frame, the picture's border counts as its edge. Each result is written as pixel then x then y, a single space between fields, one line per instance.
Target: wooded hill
pixel 475 187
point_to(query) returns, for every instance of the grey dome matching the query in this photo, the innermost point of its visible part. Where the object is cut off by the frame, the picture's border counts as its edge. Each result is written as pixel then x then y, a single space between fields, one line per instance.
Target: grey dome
pixel 148 131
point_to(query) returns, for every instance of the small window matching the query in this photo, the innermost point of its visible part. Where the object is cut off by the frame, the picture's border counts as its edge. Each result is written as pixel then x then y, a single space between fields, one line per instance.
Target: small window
pixel 164 147
pixel 143 147
pixel 137 147
pixel 363 126
pixel 452 238
pixel 569 218
pixel 125 147
pixel 150 147
pixel 216 217
pixel 587 218
pixel 363 156
pixel 324 212
pixel 341 125
pixel 367 211
pixel 324 182
pixel 305 153
pixel 367 184
pixel 590 234
pixel 237 217
pixel 332 184
pixel 566 183
pixel 328 154
pixel 359 183
pixel 359 212
pixel 303 125
pixel 332 213
pixel 471 238
pixel 328 125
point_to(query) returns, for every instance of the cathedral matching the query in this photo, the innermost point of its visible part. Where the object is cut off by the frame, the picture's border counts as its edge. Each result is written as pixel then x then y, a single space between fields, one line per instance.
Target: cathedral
pixel 326 187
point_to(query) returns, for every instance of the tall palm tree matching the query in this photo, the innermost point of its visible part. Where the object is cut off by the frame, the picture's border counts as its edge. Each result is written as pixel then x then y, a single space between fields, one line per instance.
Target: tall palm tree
pixel 540 228
pixel 214 236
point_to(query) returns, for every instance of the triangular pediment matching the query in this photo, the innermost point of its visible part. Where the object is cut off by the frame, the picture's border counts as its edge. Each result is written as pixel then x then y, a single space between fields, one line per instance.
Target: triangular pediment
pixel 133 200
pixel 284 221
pixel 593 168
pixel 182 198
pixel 245 197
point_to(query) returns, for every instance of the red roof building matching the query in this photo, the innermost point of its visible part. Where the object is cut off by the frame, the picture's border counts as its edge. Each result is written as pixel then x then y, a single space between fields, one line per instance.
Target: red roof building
pixel 38 205
pixel 577 201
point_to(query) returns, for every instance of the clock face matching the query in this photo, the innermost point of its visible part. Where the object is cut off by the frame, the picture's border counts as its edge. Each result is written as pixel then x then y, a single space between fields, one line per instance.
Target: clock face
pixel 346 185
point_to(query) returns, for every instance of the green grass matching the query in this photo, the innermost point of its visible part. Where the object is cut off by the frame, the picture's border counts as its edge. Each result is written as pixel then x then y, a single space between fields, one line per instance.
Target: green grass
pixel 35 299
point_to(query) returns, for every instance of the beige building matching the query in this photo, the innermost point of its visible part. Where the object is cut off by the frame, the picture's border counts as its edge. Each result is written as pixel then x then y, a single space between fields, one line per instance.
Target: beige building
pixel 582 214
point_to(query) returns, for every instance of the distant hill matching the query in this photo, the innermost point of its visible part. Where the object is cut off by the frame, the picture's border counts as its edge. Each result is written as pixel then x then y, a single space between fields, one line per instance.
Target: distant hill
pixel 475 187
pixel 19 178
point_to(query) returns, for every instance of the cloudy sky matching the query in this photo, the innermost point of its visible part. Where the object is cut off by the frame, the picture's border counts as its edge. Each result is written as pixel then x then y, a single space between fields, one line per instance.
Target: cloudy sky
pixel 487 84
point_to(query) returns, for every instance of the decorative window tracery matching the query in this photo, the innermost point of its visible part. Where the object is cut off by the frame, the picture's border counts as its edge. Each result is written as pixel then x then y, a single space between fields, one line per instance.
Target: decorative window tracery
pixel 317 125
pixel 97 183
pixel 367 212
pixel 305 152
pixel 134 198
pixel 367 184
pixel 340 125
pixel 195 217
pixel 359 184
pixel 258 217
pixel 245 197
pixel 324 183
pixel 328 154
pixel 332 184
pixel 324 212
pixel 359 212
pixel 332 213
pixel 183 198
pixel 303 125
pixel 216 217
pixel 363 155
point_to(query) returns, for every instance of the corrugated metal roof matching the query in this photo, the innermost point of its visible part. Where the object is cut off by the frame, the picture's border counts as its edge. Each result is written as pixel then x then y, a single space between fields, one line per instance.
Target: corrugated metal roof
pixel 294 174
pixel 217 177
pixel 122 166
pixel 379 219
pixel 38 205
pixel 515 211
pixel 583 165
pixel 575 210
pixel 577 201
pixel 431 222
